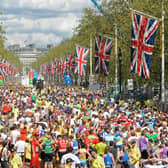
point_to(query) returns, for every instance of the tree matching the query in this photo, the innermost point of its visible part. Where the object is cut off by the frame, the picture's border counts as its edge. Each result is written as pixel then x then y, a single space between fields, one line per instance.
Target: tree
pixel 6 53
pixel 93 23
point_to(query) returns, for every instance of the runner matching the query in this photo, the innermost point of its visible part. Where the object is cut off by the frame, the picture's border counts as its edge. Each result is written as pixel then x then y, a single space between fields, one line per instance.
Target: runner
pixel 35 148
pixel 135 134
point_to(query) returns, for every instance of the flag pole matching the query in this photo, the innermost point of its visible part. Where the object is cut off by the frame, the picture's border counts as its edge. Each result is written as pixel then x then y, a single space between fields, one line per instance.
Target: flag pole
pixel 116 68
pixel 91 79
pixel 91 55
pixel 163 57
pixel 145 14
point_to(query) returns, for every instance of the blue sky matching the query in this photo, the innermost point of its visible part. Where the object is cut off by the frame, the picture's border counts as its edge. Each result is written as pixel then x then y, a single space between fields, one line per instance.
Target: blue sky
pixel 40 21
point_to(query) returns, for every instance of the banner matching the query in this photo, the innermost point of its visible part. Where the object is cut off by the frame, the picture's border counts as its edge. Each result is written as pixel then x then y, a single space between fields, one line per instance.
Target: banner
pixel 1 80
pixel 31 75
pixel 68 80
pixel 31 78
pixel 35 75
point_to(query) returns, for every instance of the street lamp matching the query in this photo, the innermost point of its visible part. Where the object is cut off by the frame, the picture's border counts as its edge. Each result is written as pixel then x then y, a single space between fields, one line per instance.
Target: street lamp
pixel 120 63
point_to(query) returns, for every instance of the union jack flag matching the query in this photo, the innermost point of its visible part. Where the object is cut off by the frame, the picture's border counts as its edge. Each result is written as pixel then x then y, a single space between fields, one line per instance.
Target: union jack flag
pixel 69 64
pixel 143 36
pixel 81 60
pixel 103 47
pixel 52 68
pixel 3 66
pixel 57 66
pixel 73 65
pixel 63 65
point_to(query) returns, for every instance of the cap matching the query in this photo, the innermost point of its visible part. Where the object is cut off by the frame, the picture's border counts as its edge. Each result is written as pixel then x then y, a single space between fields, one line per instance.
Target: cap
pixel 69 160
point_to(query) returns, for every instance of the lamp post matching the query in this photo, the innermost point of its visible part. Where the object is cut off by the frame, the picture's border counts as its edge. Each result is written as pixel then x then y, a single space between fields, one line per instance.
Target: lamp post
pixel 163 58
pixel 120 64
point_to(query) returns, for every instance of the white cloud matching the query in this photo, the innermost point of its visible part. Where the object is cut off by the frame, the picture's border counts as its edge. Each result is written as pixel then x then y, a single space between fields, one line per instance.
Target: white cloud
pixel 58 24
pixel 45 4
pixel 42 38
pixel 16 38
pixel 37 38
pixel 40 21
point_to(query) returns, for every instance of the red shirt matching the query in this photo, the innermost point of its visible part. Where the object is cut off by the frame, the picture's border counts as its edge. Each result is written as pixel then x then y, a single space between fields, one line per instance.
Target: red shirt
pixel 5 108
pixel 35 158
pixel 23 134
pixel 93 139
pixel 57 112
pixel 86 142
pixel 86 132
pixel 62 145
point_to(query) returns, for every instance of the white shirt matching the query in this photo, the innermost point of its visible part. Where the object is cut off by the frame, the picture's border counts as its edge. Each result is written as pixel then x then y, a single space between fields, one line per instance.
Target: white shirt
pixel 132 138
pixel 20 147
pixel 22 119
pixel 14 135
pixel 4 136
pixel 37 117
pixel 73 157
pixel 156 166
pixel 4 150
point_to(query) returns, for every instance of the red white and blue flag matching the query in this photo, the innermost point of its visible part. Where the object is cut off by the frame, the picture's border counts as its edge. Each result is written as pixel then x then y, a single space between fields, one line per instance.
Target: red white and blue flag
pixel 81 60
pixel 57 66
pixel 3 66
pixel 63 65
pixel 103 47
pixel 69 64
pixel 52 68
pixel 143 36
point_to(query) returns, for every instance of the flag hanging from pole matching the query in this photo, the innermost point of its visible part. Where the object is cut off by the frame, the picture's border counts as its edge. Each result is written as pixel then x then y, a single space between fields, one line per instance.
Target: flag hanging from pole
pixel 143 36
pixel 1 80
pixel 4 66
pixel 63 65
pixel 1 66
pixel 103 47
pixel 81 60
pixel 57 66
pixel 69 64
pixel 52 68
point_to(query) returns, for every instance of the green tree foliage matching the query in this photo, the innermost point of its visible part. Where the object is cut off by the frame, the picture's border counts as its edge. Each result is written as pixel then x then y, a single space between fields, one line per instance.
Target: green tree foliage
pixel 6 53
pixel 93 23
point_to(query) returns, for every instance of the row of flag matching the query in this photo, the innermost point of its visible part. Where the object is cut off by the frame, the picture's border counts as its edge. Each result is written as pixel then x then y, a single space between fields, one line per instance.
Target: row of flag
pixel 6 68
pixel 143 36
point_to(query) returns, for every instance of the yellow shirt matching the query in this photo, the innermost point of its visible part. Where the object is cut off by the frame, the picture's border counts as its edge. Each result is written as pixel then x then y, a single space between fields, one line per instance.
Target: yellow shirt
pixel 28 151
pixel 48 104
pixel 51 108
pixel 39 103
pixel 15 161
pixel 98 162
pixel 100 147
pixel 15 112
pixel 134 154
pixel 82 154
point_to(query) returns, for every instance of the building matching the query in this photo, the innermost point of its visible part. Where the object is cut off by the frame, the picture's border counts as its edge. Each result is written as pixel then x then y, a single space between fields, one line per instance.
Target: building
pixel 28 54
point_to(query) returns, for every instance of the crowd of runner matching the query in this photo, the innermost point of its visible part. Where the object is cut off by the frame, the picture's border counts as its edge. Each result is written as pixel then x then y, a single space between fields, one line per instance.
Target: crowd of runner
pixel 74 127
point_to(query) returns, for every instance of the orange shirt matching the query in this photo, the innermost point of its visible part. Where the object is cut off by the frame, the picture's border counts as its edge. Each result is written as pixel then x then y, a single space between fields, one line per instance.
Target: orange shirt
pixel 23 134
pixel 5 108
